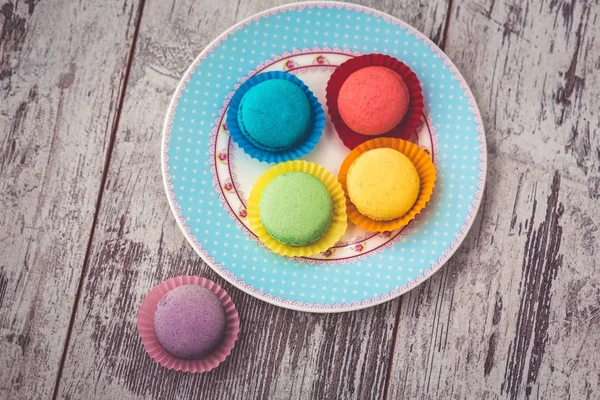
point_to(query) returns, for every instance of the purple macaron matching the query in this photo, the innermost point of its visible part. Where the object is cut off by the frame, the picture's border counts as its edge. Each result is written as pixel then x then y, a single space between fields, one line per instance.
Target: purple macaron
pixel 189 322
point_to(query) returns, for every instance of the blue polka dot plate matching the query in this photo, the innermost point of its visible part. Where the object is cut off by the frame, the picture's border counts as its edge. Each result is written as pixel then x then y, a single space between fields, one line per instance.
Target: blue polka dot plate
pixel 208 178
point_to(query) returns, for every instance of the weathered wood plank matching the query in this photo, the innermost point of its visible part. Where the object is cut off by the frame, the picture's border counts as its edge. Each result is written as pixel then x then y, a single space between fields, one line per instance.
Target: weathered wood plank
pixel 516 312
pixel 60 72
pixel 280 354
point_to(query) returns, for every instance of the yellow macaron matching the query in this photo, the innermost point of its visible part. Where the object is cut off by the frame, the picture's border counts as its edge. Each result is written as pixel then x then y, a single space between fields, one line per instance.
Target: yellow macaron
pixel 383 184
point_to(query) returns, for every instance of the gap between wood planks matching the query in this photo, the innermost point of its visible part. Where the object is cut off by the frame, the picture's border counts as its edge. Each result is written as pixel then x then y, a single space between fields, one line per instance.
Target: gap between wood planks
pixel 388 377
pixel 109 151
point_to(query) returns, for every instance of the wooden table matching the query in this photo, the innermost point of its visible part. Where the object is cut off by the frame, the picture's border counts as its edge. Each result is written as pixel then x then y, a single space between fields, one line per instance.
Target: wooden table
pixel 85 229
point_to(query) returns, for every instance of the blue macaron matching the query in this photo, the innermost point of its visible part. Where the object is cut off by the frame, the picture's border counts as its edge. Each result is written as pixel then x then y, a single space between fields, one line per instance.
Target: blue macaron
pixel 275 115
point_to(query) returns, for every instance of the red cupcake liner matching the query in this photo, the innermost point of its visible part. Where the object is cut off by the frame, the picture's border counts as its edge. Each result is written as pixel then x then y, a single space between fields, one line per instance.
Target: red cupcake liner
pixel 409 123
pixel 153 346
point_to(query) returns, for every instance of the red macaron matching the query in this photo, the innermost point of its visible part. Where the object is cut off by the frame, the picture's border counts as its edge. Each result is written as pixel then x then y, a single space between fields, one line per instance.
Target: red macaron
pixel 374 95
pixel 373 100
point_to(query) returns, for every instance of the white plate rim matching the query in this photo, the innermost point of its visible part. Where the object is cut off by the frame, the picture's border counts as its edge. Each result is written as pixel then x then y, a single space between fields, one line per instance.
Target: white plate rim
pixel 442 260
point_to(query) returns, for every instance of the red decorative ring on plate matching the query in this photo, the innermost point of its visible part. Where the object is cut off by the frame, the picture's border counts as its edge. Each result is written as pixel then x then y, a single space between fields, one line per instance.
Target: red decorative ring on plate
pixel 227 183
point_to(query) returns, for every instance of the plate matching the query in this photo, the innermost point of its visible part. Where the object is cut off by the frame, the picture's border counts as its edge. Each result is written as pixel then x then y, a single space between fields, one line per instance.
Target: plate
pixel 208 178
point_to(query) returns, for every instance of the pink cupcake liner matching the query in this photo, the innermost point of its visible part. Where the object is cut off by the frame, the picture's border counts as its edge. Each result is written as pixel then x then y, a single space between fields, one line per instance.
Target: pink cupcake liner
pixel 153 346
pixel 409 123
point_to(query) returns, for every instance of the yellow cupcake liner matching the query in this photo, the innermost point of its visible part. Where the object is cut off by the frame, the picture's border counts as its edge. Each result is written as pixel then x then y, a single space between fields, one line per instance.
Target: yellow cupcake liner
pixel 338 223
pixel 425 169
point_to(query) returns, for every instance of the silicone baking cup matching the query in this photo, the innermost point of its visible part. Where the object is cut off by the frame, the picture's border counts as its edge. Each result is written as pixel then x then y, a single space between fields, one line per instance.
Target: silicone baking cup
pixel 425 169
pixel 338 222
pixel 303 147
pixel 415 108
pixel 153 346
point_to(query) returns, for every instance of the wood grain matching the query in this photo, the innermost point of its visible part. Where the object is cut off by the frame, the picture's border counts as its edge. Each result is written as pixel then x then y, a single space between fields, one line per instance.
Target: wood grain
pixel 281 354
pixel 58 98
pixel 515 314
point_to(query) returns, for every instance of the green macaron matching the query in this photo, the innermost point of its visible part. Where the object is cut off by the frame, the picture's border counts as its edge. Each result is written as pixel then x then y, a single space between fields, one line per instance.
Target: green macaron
pixel 296 208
